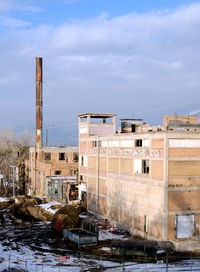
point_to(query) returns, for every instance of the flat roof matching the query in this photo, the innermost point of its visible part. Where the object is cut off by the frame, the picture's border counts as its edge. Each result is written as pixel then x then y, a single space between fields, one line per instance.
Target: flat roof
pixel 98 115
pixel 129 119
pixel 61 178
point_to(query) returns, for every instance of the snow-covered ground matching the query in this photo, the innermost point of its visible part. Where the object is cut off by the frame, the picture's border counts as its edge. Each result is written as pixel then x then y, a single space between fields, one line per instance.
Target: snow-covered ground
pixel 33 254
pixel 32 261
pixel 48 208
pixel 2 199
pixel 105 234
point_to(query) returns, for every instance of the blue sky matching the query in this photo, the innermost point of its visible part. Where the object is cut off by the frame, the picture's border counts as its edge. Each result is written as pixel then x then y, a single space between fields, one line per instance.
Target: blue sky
pixel 134 58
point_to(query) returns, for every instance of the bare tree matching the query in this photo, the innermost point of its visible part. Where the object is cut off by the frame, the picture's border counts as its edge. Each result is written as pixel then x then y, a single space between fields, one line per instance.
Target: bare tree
pixel 13 153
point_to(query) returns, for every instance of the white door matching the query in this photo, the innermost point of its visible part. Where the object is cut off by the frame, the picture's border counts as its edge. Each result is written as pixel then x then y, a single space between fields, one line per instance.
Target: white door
pixel 184 226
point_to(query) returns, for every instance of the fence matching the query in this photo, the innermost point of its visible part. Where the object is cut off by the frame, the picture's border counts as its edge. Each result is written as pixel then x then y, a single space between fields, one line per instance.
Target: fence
pixel 64 264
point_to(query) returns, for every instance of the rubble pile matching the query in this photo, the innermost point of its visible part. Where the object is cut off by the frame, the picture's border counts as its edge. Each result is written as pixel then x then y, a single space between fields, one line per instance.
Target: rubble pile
pixel 27 208
pixel 66 218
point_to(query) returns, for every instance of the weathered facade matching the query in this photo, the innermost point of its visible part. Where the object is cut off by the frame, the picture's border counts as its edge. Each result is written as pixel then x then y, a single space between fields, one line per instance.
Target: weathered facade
pixel 45 164
pixel 144 178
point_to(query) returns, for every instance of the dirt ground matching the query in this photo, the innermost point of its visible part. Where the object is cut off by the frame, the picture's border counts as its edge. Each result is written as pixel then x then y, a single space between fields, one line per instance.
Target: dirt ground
pixel 40 237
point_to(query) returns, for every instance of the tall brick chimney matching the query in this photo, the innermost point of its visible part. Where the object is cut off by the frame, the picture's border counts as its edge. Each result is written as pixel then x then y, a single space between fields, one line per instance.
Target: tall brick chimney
pixel 39 125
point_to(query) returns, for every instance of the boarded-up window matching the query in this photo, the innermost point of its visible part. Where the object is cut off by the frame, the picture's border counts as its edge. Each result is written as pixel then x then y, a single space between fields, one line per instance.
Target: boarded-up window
pixel 137 166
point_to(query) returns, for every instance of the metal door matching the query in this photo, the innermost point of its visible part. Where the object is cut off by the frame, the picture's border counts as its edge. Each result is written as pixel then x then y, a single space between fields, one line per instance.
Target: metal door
pixel 184 226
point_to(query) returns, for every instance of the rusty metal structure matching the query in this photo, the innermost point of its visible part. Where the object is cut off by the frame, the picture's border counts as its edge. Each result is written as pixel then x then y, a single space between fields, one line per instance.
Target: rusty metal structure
pixel 39 131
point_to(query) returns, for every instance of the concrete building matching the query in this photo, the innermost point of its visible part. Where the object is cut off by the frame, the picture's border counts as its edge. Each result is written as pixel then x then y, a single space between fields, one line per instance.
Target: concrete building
pixel 146 179
pixel 52 171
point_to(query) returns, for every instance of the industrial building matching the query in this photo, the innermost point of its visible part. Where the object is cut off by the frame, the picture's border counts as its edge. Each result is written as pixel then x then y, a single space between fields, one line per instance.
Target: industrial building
pixel 52 171
pixel 143 178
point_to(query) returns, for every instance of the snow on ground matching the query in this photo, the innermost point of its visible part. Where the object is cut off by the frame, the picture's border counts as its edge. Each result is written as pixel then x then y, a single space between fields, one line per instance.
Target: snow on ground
pixel 105 248
pixel 52 263
pixel 109 235
pixel 2 199
pixel 47 206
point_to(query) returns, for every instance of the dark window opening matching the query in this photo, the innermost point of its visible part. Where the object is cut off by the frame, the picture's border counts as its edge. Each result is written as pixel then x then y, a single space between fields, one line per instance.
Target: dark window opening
pixel 81 177
pixel 57 172
pixel 96 143
pixel 82 160
pixel 73 193
pixel 133 128
pixel 56 189
pixel 75 157
pixel 61 156
pixel 138 143
pixel 75 172
pixel 47 156
pixel 145 166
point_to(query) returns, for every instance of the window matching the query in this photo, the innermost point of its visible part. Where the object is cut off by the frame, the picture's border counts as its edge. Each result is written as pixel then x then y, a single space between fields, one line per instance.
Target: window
pixel 47 156
pixel 145 166
pixel 57 172
pixel 75 172
pixel 142 143
pixel 146 223
pixel 141 166
pixel 81 177
pixel 138 143
pixel 96 143
pixel 82 160
pixel 137 166
pixel 61 156
pixel 75 157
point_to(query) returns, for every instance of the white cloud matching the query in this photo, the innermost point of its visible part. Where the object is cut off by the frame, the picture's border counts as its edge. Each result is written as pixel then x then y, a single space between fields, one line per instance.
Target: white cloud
pixel 18 5
pixel 124 64
pixel 13 23
pixel 194 112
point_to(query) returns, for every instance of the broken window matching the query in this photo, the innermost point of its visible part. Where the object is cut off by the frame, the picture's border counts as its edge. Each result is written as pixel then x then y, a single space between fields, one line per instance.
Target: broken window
pixel 145 166
pixel 142 143
pixel 75 157
pixel 61 156
pixel 96 143
pixel 138 143
pixel 57 172
pixel 56 190
pixel 47 156
pixel 73 192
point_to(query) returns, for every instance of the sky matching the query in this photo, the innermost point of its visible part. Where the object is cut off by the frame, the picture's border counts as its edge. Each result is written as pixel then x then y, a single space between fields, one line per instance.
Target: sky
pixel 138 59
